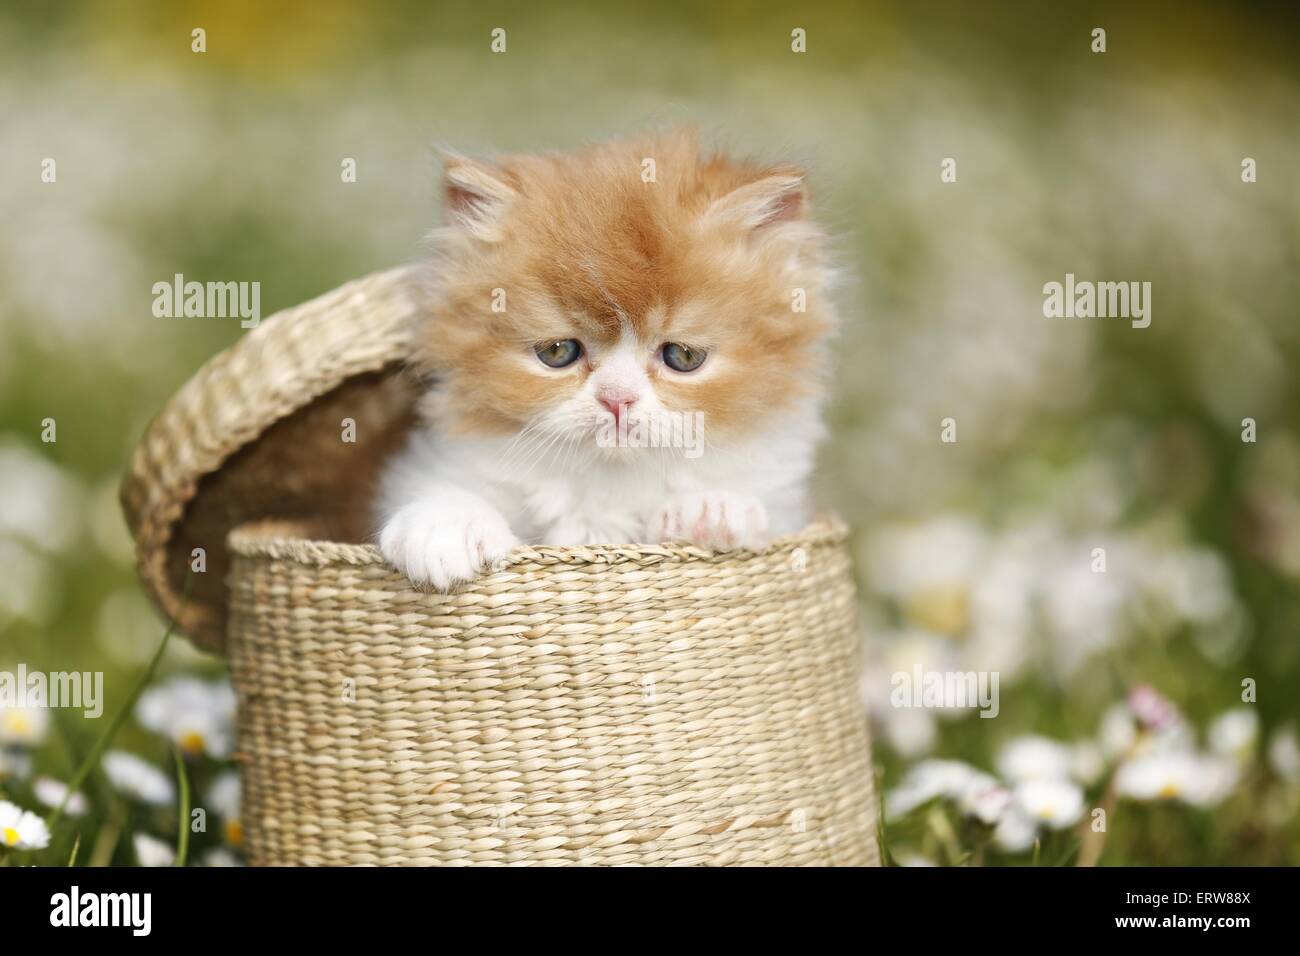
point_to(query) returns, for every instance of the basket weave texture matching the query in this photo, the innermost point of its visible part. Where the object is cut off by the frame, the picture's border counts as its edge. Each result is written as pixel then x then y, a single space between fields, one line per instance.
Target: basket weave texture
pixel 641 705
pixel 612 705
pixel 255 434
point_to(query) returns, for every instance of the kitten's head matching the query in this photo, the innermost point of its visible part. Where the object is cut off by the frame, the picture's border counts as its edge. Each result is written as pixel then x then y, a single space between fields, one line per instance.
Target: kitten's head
pixel 629 280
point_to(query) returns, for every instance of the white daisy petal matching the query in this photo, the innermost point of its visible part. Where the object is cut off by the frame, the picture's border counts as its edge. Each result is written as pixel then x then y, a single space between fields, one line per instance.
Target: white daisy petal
pixel 150 851
pixel 52 793
pixel 1055 804
pixel 21 829
pixel 1034 758
pixel 195 715
pixel 1234 733
pixel 138 779
pixel 23 726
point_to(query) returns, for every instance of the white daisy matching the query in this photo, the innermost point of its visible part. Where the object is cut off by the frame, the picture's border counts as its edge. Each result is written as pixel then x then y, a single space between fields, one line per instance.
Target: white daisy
pixel 223 798
pixel 23 726
pixel 40 502
pixel 931 779
pixel 1284 754
pixel 1118 732
pixel 911 731
pixel 220 856
pixel 1152 709
pixel 985 799
pixel 1034 758
pixel 197 716
pixel 150 851
pixel 1084 612
pixel 21 829
pixel 928 569
pixel 1179 775
pixel 1016 831
pixel 52 792
pixel 1234 733
pixel 139 779
pixel 1087 762
pixel 1056 804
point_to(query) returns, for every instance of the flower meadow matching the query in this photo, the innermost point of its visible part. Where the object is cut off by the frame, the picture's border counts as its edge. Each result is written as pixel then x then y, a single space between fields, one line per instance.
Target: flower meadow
pixel 1094 524
pixel 177 806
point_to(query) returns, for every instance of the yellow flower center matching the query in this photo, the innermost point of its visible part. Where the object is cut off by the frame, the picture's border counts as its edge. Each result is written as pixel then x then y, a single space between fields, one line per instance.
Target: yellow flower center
pixel 1168 790
pixel 192 743
pixel 11 836
pixel 1046 813
pixel 941 608
pixel 18 723
pixel 235 832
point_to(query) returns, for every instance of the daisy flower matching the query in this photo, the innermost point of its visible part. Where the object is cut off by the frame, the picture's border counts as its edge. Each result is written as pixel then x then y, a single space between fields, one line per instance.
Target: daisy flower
pixel 910 731
pixel 1118 732
pixel 1056 804
pixel 931 779
pixel 1197 780
pixel 1284 754
pixel 986 800
pixel 1152 709
pixel 23 726
pixel 928 569
pixel 21 829
pixel 223 797
pixel 1234 733
pixel 1036 805
pixel 1087 762
pixel 197 716
pixel 1034 758
pixel 138 779
pixel 150 851
pixel 52 793
pixel 1016 831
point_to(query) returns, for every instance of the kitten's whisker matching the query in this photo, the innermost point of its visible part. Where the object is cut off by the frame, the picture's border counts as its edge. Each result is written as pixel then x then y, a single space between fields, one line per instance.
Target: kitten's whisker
pixel 540 449
pixel 520 441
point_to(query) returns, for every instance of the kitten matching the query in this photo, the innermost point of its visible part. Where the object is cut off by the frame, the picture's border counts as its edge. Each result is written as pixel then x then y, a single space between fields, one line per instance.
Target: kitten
pixel 587 303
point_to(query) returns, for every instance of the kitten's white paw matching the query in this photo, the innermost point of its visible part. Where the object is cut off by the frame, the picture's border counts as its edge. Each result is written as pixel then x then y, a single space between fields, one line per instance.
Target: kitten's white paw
pixel 718 520
pixel 445 544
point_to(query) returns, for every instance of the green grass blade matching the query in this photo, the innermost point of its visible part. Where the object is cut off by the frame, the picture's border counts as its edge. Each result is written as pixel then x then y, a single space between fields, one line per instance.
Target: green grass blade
pixel 183 821
pixel 118 718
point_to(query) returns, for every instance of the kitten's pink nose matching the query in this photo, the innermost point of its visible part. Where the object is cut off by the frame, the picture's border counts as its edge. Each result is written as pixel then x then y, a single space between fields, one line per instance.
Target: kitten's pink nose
pixel 617 400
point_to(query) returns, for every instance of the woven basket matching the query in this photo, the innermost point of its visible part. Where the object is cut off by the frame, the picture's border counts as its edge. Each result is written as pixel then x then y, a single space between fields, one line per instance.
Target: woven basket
pixel 601 705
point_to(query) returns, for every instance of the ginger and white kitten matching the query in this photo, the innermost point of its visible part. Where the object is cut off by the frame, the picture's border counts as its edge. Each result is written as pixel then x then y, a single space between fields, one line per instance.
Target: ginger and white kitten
pixel 577 301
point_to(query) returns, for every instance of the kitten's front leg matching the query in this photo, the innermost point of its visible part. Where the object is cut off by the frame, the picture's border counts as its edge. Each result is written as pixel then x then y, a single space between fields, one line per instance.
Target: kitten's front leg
pixel 446 537
pixel 720 520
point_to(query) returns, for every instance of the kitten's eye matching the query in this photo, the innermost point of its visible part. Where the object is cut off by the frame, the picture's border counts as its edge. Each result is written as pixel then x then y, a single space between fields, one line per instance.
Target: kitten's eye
pixel 560 353
pixel 683 358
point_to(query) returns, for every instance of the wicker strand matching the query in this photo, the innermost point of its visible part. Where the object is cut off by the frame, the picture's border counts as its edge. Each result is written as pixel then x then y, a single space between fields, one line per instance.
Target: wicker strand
pixel 596 706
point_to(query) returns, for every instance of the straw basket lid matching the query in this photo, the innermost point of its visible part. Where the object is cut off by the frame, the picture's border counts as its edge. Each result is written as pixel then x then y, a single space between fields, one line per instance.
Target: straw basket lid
pixel 262 432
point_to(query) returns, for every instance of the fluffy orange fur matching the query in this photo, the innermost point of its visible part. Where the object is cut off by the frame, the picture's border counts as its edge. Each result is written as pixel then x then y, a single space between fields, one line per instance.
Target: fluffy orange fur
pixel 579 245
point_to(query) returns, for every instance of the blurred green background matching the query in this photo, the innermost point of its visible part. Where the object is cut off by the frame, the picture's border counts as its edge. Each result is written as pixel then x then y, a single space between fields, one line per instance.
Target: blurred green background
pixel 1073 434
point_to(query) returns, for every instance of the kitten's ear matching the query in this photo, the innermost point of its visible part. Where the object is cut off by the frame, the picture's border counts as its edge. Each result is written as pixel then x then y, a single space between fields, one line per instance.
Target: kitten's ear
pixel 780 196
pixel 475 196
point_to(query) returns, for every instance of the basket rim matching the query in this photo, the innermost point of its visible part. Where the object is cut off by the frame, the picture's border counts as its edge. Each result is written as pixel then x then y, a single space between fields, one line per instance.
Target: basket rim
pixel 286 540
pixel 284 364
